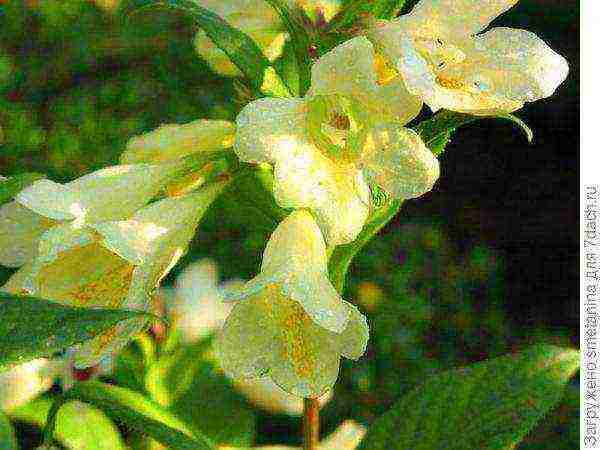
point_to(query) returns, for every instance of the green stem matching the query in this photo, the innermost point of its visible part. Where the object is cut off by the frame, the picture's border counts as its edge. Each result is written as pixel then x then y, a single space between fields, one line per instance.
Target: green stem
pixel 342 256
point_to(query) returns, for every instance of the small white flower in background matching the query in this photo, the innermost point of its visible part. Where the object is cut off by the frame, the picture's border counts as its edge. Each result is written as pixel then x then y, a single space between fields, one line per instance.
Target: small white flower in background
pixel 443 60
pixel 26 381
pixel 112 193
pixel 290 323
pixel 327 147
pixel 117 266
pixel 196 303
pixel 259 21
pixel 346 437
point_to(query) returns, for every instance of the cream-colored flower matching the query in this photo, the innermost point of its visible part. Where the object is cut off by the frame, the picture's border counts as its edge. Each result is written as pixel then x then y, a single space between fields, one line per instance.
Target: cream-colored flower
pixel 259 21
pixel 173 141
pixel 118 265
pixel 107 194
pixel 443 60
pixel 196 302
pixel 23 382
pixel 290 323
pixel 347 133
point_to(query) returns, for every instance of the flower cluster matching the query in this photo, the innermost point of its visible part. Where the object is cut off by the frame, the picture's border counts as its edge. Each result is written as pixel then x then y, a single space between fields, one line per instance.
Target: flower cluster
pixel 97 241
pixel 347 136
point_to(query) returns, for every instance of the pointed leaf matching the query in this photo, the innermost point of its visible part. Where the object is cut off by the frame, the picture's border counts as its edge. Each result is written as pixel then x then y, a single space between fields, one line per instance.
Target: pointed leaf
pixel 136 412
pixel 32 328
pixel 238 46
pixel 437 131
pixel 78 426
pixel 300 39
pixel 489 405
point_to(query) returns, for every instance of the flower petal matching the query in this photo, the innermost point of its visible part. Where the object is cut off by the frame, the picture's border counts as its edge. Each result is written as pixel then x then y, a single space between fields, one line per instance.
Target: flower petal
pixel 20 230
pixel 454 17
pixel 350 70
pixel 296 243
pixel 396 159
pixel 85 276
pixel 106 194
pixel 270 128
pixel 307 356
pixel 245 344
pixel 169 142
pixel 515 64
pixel 50 199
pixel 336 192
pixel 171 219
pixel 442 91
pixel 117 192
pixel 355 337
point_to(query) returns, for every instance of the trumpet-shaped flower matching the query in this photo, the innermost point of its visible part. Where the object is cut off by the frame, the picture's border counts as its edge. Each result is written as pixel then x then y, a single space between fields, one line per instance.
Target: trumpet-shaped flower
pixel 437 51
pixel 174 141
pixel 328 147
pixel 118 265
pixel 108 194
pixel 290 323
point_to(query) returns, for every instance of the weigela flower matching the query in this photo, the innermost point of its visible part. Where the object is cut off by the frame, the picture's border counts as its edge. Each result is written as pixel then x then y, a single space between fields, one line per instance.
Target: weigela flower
pixel 108 194
pixel 443 60
pixel 345 133
pixel 117 265
pixel 290 323
pixel 259 21
pixel 173 141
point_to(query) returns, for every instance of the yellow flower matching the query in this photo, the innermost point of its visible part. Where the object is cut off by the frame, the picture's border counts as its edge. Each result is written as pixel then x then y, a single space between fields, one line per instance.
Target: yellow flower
pixel 346 133
pixel 444 61
pixel 108 194
pixel 290 323
pixel 117 265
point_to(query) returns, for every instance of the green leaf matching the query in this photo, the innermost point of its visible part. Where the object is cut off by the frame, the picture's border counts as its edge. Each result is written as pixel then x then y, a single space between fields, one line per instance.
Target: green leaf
pixel 300 39
pixel 15 184
pixel 7 434
pixel 78 426
pixel 188 382
pixel 437 131
pixel 136 412
pixel 238 46
pixel 32 328
pixel 489 405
